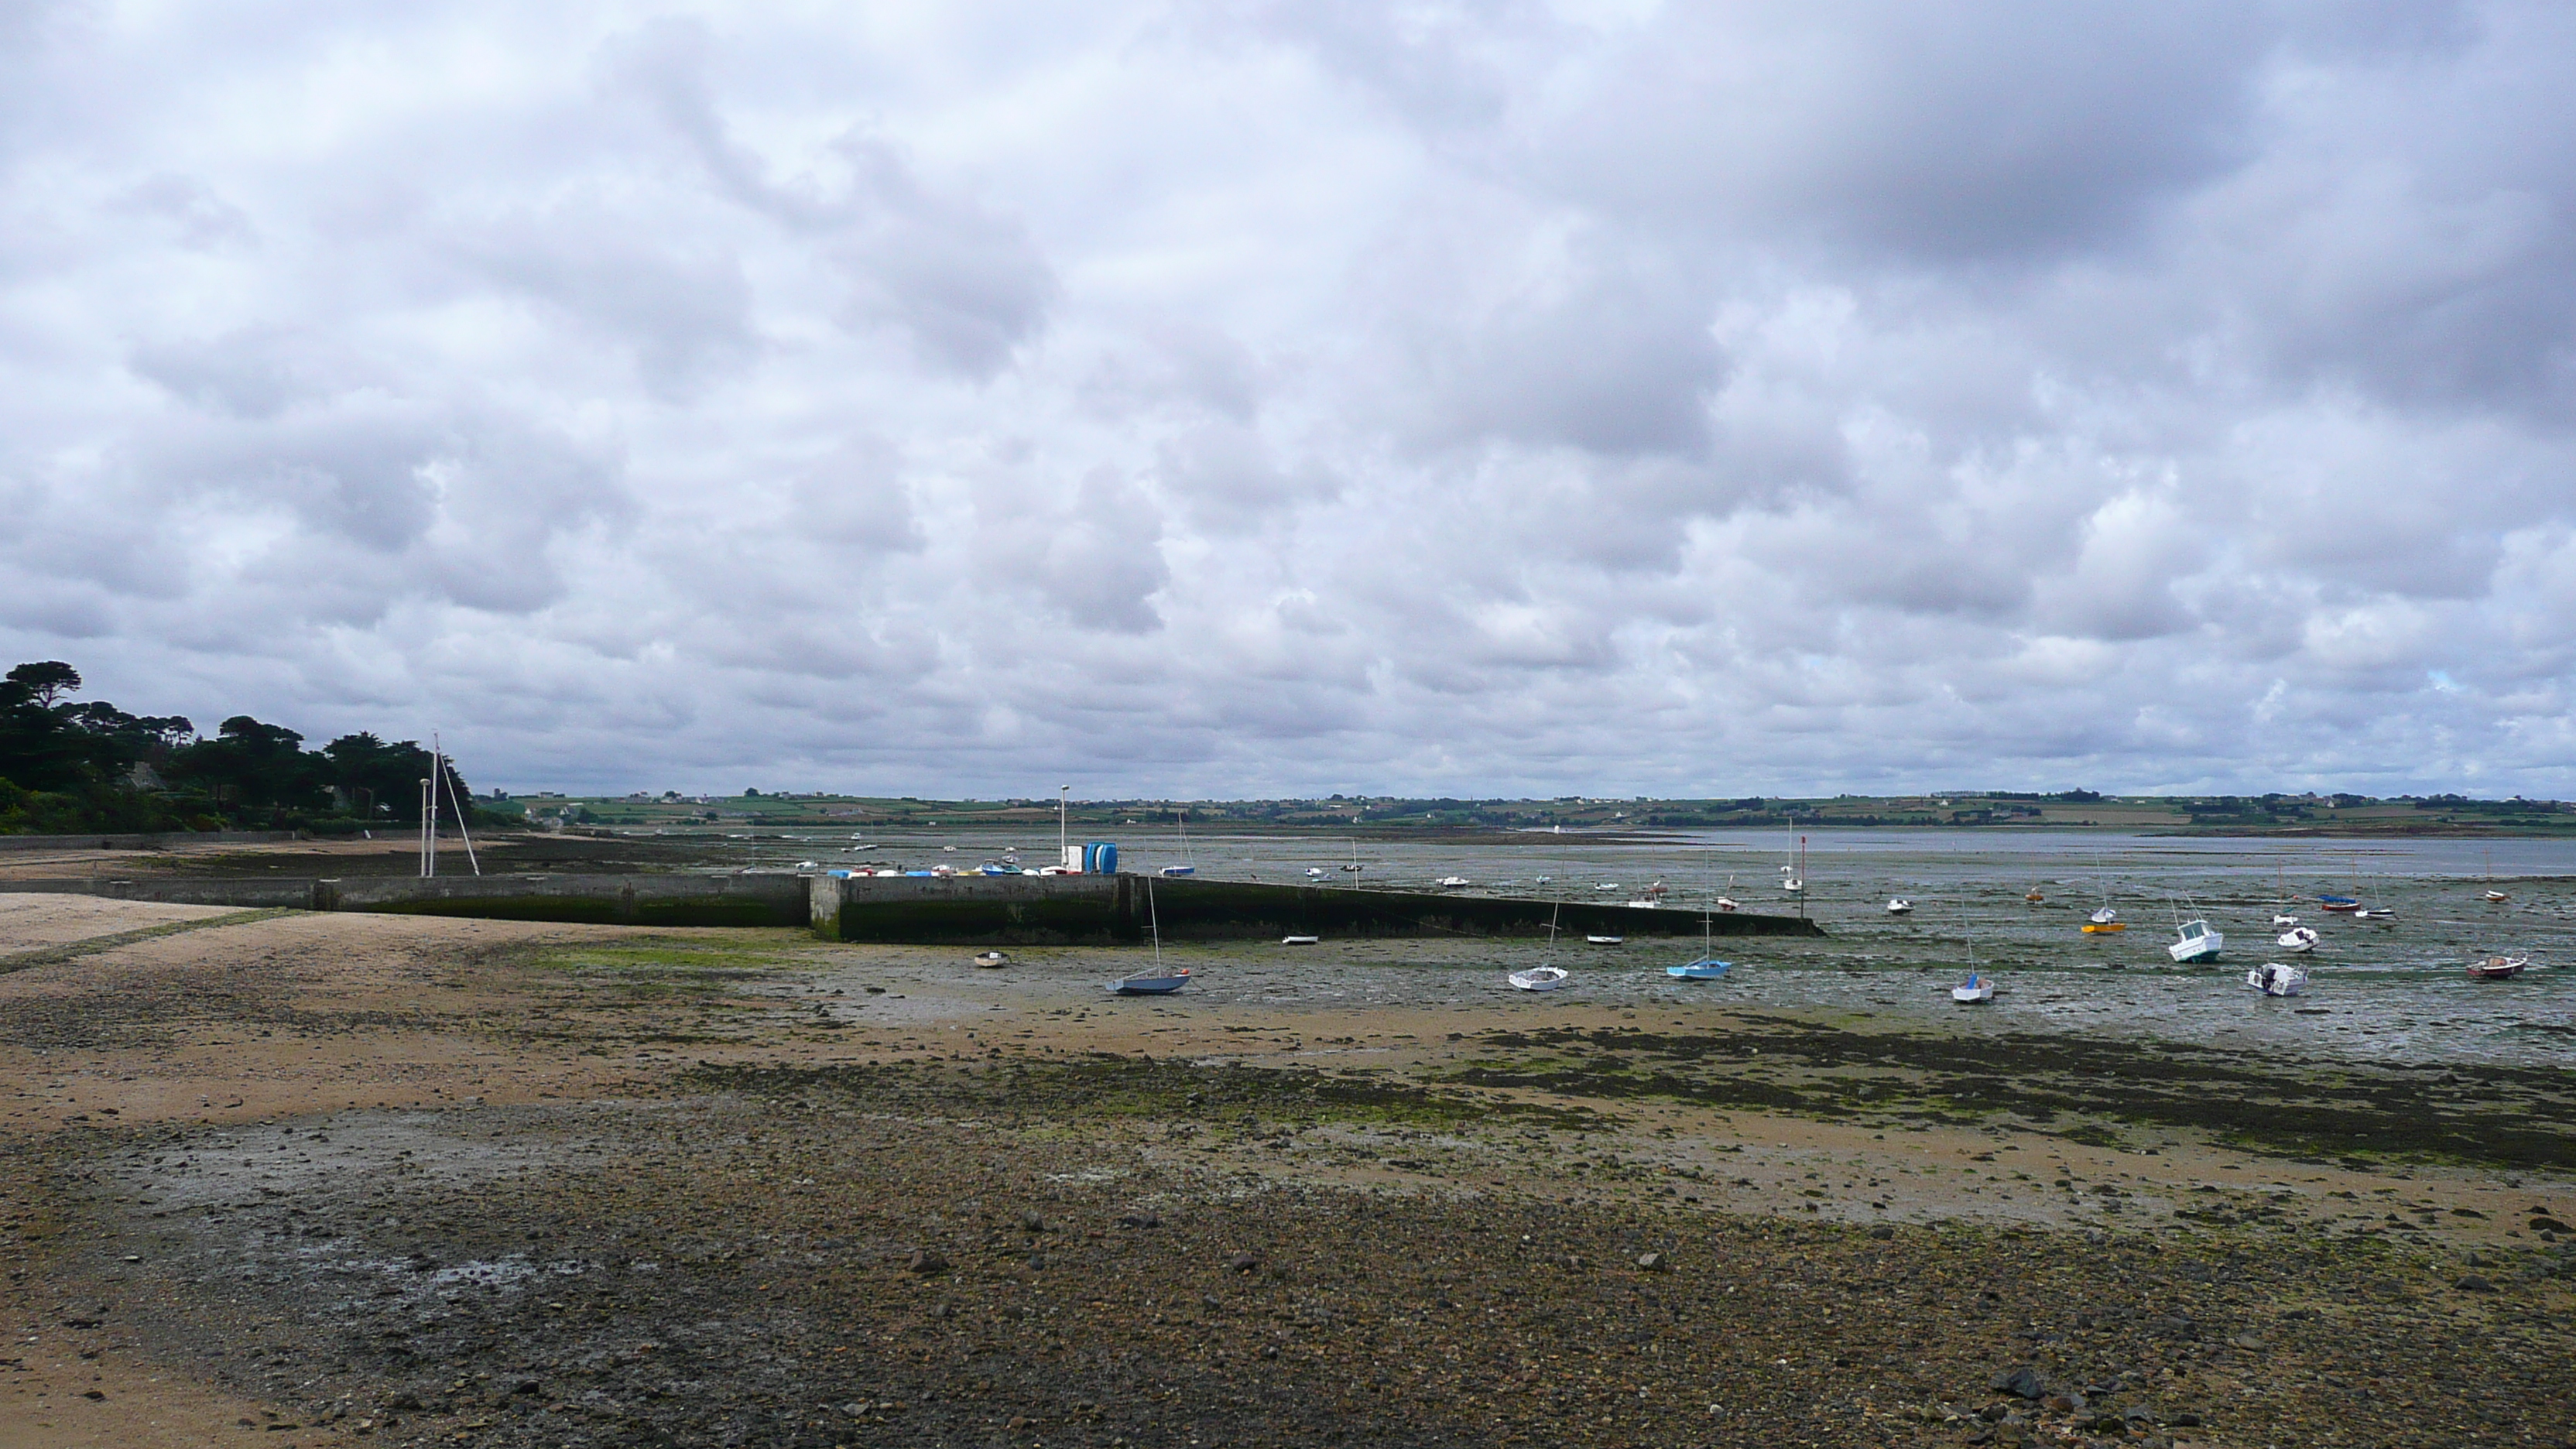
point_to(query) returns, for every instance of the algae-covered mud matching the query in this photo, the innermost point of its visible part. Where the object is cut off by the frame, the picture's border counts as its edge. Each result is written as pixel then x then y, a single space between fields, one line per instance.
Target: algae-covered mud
pixel 304 1180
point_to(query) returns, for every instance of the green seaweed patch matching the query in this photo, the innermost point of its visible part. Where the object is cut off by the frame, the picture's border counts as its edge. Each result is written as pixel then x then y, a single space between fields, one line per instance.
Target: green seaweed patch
pixel 669 959
pixel 1105 1085
pixel 2471 1113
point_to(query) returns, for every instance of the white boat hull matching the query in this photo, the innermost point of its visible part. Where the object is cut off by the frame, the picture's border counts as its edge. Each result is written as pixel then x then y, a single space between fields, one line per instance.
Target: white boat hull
pixel 1973 990
pixel 2194 948
pixel 2274 979
pixel 2300 940
pixel 1538 978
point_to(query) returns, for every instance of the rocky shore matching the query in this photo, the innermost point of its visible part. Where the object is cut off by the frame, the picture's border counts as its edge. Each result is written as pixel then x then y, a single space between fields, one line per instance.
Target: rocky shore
pixel 303 1181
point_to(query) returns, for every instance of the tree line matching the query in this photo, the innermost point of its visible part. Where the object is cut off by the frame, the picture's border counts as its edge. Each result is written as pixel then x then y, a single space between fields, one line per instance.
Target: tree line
pixel 70 767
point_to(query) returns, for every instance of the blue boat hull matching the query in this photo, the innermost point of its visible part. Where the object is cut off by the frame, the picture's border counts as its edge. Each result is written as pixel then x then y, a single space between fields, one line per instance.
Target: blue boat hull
pixel 1700 970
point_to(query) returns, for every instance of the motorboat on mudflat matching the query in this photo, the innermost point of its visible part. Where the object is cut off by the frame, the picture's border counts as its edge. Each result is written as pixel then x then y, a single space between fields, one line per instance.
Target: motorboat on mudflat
pixel 2274 979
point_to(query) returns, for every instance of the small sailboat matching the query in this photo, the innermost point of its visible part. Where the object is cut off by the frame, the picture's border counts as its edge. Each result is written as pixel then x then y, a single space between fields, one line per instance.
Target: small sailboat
pixel 1707 967
pixel 1354 866
pixel 1978 988
pixel 1157 982
pixel 2274 979
pixel 1452 882
pixel 1899 906
pixel 1546 976
pixel 2492 896
pixel 1727 902
pixel 1188 865
pixel 2194 941
pixel 2105 919
pixel 991 960
pixel 2033 896
pixel 1793 881
pixel 2282 920
pixel 2499 968
pixel 1314 872
pixel 2299 940
pixel 2340 905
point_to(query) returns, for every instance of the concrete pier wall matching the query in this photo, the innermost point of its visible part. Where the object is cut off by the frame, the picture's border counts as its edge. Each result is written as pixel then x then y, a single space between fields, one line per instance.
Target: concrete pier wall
pixel 943 910
pixel 1028 910
pixel 635 900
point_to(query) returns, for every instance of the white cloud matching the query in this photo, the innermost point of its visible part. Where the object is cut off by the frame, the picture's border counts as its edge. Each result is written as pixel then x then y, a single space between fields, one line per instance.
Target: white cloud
pixel 1499 398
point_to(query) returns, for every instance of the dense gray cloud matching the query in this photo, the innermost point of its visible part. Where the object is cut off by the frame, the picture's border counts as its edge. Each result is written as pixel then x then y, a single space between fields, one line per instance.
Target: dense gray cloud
pixel 1493 398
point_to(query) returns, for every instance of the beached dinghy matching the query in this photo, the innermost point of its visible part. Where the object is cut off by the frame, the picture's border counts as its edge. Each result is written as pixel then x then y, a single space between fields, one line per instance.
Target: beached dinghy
pixel 1607 940
pixel 2274 979
pixel 2299 939
pixel 2499 968
pixel 1452 882
pixel 1538 978
pixel 1899 906
pixel 1975 989
pixel 1300 940
pixel 2103 922
pixel 991 959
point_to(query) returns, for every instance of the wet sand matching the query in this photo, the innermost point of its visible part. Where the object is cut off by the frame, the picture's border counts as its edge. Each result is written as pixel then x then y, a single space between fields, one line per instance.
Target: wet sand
pixel 433 1181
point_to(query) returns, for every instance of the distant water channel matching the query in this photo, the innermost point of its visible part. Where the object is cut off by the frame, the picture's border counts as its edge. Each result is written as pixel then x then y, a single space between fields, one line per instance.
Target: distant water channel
pixel 2392 991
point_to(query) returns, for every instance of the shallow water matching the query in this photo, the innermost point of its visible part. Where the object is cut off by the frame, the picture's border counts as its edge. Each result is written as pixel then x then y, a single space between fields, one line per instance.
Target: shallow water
pixel 2388 991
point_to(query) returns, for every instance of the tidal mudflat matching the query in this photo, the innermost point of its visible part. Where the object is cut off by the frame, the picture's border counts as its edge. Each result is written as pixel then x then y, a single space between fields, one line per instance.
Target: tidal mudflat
pixel 313 1179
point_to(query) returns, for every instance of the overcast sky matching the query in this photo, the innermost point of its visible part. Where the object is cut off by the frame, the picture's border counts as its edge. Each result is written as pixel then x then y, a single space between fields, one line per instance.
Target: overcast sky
pixel 1233 399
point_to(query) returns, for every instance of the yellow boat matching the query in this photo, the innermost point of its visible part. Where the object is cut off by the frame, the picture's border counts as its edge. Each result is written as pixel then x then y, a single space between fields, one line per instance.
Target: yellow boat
pixel 2104 928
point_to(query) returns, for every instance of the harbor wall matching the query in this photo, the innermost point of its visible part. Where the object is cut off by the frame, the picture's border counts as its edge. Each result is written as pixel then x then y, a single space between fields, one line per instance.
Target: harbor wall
pixel 1032 910
pixel 633 900
pixel 935 910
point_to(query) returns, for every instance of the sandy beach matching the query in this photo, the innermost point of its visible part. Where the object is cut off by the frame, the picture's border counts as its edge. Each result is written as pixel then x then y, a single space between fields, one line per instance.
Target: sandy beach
pixel 300 1179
